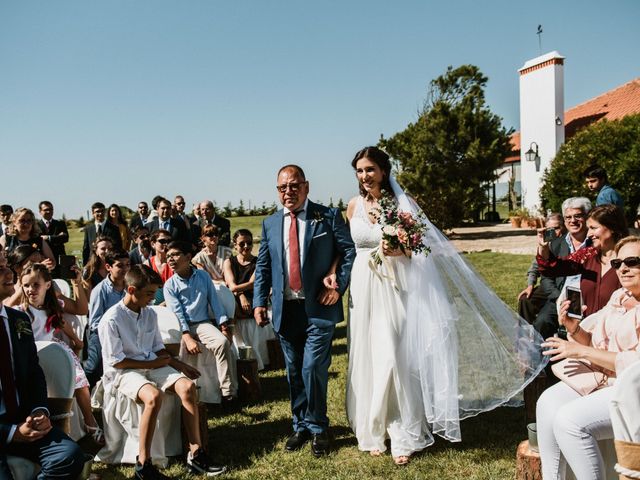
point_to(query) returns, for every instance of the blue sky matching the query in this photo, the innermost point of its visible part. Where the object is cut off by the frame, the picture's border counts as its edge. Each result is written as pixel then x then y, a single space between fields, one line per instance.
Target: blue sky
pixel 118 101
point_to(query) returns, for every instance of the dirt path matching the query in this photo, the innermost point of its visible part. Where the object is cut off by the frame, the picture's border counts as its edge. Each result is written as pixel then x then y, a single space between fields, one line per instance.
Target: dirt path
pixel 497 238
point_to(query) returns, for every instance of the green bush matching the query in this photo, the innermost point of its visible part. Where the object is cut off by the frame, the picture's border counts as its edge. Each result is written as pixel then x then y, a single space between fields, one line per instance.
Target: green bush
pixel 615 146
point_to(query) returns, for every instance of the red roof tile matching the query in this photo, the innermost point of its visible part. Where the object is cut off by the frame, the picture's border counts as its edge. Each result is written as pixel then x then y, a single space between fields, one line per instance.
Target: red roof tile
pixel 612 105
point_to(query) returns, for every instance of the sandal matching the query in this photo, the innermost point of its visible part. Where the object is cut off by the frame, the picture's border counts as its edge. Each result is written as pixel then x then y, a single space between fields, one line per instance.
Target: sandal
pixel 96 433
pixel 401 460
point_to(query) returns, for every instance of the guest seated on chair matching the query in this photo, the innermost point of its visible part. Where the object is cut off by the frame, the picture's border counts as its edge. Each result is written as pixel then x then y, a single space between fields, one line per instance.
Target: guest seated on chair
pixel 532 298
pixel 25 429
pixel 141 252
pixel 213 255
pixel 160 240
pixel 106 294
pixel 239 272
pixel 191 296
pixel 135 358
pixel 568 424
pixel 45 310
pixel 95 270
pixel 24 230
pixel 598 280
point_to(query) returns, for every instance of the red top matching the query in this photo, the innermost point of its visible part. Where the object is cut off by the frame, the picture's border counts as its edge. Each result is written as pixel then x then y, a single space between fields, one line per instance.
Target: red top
pixel 166 272
pixel 596 288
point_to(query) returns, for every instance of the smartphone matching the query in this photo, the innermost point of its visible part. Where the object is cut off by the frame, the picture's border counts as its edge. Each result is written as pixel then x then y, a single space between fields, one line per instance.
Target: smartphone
pixel 574 295
pixel 65 262
pixel 549 234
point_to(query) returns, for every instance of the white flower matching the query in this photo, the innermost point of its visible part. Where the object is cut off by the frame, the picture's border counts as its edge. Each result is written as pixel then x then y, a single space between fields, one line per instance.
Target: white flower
pixel 390 230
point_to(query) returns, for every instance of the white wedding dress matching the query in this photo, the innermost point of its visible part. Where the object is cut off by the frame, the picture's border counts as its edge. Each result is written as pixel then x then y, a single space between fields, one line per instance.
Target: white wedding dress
pixel 429 342
pixel 382 400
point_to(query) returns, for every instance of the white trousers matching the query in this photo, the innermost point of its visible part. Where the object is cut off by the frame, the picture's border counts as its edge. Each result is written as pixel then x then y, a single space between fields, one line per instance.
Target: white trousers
pixel 569 427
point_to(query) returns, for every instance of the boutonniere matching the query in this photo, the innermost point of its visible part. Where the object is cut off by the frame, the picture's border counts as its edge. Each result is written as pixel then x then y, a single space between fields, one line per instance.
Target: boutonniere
pixel 23 328
pixel 317 217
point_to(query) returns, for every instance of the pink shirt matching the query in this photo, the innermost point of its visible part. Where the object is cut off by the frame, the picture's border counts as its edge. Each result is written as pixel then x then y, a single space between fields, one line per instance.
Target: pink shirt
pixel 616 329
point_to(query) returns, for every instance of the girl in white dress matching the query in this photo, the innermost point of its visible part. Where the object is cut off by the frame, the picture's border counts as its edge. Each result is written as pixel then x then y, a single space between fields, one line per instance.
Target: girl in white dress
pixel 429 342
pixel 39 301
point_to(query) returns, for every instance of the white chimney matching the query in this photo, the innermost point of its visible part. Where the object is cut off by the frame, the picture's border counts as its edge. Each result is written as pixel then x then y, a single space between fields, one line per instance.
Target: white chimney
pixel 541 121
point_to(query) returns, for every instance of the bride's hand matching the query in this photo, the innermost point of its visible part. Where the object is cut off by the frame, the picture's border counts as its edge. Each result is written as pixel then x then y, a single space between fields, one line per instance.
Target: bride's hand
pixel 389 251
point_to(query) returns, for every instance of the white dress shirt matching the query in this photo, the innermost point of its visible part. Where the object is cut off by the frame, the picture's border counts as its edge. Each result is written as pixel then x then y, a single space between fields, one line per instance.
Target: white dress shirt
pixel 302 227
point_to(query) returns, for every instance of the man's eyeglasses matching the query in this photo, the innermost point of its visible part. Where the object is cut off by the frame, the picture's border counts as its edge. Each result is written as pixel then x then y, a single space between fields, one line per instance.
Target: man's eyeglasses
pixel 245 244
pixel 579 216
pixel 144 237
pixel 294 186
pixel 163 241
pixel 180 204
pixel 629 262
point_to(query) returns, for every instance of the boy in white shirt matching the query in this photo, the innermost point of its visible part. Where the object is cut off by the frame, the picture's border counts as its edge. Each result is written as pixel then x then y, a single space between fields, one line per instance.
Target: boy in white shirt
pixel 133 353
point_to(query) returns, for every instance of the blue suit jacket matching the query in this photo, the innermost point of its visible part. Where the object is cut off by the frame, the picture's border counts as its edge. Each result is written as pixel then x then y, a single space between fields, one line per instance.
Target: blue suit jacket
pixel 30 381
pixel 326 237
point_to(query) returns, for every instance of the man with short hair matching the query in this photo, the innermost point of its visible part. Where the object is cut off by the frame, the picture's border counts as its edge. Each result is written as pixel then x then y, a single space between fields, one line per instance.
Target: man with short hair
pixel 99 227
pixel 141 251
pixel 5 216
pixel 103 296
pixel 141 217
pixel 302 245
pixel 25 428
pixel 208 216
pixel 179 207
pixel 165 221
pixel 54 232
pixel 597 181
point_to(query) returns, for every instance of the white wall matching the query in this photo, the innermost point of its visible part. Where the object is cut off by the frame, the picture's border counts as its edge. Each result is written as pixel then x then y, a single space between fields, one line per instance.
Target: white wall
pixel 541 103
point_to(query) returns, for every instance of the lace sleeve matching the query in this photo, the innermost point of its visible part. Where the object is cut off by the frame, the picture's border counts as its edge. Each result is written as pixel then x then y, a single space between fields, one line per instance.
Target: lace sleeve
pixel 564 266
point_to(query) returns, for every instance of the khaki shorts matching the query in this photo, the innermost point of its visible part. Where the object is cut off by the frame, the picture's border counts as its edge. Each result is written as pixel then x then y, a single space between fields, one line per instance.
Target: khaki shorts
pixel 131 381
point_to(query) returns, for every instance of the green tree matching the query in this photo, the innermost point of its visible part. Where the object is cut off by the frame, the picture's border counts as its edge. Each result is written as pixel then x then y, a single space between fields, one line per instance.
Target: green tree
pixel 227 211
pixel 614 145
pixel 240 211
pixel 453 148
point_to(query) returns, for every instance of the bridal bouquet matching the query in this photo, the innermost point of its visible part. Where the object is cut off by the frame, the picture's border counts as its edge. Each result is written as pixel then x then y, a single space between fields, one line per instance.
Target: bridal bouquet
pixel 400 229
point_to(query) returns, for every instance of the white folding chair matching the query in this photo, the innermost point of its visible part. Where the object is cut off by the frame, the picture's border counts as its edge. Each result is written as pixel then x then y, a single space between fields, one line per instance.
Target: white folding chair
pixel 63 286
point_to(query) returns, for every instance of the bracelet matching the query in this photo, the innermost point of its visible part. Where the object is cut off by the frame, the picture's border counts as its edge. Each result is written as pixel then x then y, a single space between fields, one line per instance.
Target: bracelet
pixel 575 331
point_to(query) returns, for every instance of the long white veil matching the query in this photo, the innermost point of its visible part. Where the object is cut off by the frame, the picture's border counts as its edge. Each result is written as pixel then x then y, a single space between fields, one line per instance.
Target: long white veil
pixel 470 352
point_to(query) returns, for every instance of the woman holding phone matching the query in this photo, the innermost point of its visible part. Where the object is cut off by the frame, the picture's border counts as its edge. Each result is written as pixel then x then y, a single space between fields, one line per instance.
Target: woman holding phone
pixel 570 424
pixel 606 226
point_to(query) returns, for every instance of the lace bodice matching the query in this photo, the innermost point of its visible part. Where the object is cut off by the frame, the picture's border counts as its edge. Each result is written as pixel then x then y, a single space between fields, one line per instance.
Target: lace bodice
pixel 364 232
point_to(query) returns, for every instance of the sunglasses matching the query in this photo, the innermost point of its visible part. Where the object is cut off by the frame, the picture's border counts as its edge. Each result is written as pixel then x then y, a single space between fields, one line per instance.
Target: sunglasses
pixel 579 216
pixel 293 186
pixel 245 244
pixel 629 262
pixel 211 235
pixel 144 237
pixel 180 203
pixel 163 241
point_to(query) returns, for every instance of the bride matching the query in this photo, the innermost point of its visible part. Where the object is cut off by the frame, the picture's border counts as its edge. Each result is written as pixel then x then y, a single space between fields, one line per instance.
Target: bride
pixel 429 343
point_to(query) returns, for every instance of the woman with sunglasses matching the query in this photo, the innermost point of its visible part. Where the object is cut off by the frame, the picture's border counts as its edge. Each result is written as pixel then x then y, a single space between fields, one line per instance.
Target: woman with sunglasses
pixel 160 240
pixel 569 425
pixel 606 225
pixel 213 255
pixel 239 273
pixel 24 230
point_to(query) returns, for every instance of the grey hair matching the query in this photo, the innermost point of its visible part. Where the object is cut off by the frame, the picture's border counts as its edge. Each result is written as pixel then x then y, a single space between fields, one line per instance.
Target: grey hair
pixel 582 203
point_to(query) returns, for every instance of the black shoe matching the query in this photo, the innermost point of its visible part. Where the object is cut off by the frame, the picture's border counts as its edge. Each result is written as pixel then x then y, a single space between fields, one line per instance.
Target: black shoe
pixel 297 440
pixel 320 444
pixel 148 472
pixel 199 463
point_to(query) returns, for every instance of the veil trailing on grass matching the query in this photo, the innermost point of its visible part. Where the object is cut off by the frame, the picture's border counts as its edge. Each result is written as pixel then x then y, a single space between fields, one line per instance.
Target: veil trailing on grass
pixel 469 350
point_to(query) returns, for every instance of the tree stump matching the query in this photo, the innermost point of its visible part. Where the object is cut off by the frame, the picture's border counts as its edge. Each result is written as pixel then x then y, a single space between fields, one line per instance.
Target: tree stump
pixel 248 381
pixel 528 466
pixel 202 426
pixel 276 357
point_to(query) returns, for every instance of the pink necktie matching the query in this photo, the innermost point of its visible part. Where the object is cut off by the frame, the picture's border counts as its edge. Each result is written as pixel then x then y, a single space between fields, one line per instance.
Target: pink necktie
pixel 295 278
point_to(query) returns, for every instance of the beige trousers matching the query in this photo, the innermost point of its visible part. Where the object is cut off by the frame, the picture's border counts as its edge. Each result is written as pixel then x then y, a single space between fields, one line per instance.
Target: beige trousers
pixel 217 343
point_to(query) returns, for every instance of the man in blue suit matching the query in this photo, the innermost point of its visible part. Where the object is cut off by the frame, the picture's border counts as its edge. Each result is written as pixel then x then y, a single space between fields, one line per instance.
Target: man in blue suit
pixel 305 259
pixel 25 429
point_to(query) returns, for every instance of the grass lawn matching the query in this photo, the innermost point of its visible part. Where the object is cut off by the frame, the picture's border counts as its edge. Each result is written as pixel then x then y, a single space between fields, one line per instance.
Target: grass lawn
pixel 251 440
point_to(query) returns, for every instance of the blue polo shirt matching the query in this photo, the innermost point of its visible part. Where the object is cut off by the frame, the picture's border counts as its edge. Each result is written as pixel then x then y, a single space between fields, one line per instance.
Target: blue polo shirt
pixel 194 299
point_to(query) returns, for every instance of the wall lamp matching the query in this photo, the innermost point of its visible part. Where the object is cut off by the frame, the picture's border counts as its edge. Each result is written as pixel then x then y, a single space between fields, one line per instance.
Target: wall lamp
pixel 531 155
